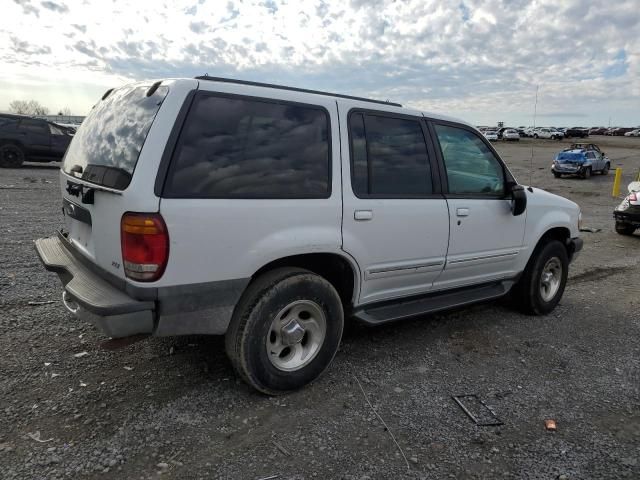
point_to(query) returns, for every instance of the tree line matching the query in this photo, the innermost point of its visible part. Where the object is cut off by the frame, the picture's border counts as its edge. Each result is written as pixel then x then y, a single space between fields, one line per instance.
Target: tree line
pixel 33 107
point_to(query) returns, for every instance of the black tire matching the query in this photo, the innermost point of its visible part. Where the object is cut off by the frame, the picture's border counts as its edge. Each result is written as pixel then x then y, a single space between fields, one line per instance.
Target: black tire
pixel 625 228
pixel 11 156
pixel 527 293
pixel 586 173
pixel 535 135
pixel 557 174
pixel 605 170
pixel 250 327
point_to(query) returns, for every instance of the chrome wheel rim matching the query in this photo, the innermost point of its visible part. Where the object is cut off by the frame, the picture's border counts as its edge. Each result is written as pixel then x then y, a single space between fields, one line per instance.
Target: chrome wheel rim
pixel 550 279
pixel 296 335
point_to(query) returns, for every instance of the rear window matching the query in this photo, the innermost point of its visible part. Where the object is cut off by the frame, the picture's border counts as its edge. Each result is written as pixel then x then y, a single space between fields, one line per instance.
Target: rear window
pixel 570 156
pixel 238 147
pixel 109 141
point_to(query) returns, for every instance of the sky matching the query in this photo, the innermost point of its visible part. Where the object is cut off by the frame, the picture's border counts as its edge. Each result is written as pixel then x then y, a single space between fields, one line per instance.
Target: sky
pixel 478 60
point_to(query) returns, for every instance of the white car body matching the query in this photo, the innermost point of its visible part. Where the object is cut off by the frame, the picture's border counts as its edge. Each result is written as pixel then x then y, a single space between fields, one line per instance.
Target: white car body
pixel 391 247
pixel 491 135
pixel 510 134
pixel 633 133
pixel 548 133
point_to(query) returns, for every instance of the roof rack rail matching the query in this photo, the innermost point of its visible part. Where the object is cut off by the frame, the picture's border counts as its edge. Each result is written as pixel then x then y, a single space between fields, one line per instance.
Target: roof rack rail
pixel 294 89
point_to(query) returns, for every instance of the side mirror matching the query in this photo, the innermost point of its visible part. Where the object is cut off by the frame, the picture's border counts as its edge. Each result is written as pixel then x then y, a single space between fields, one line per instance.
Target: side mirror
pixel 519 197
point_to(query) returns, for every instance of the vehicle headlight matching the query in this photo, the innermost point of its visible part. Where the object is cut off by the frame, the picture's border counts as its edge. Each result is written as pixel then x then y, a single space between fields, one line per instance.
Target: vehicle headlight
pixel 580 220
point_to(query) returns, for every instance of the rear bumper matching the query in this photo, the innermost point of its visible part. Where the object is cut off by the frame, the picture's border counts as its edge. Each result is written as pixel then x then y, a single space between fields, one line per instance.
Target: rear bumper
pixel 121 309
pixel 90 297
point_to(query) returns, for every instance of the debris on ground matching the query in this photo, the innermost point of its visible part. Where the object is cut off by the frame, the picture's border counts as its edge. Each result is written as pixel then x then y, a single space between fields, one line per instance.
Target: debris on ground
pixel 36 436
pixel 81 354
pixel 550 425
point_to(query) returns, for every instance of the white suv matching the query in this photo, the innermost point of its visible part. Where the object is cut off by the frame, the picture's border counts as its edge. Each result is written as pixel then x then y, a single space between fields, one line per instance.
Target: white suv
pixel 270 214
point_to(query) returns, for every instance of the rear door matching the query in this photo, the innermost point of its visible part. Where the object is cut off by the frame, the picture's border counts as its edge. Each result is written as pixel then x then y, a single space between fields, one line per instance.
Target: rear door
pixel 395 220
pixel 485 239
pixel 35 136
pixel 113 159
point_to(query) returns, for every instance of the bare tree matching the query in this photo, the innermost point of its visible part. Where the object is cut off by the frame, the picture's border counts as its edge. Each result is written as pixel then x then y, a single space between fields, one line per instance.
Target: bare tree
pixel 66 111
pixel 31 107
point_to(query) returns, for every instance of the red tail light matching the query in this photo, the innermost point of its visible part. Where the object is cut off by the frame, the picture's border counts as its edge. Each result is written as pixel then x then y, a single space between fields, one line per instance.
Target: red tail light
pixel 633 197
pixel 145 245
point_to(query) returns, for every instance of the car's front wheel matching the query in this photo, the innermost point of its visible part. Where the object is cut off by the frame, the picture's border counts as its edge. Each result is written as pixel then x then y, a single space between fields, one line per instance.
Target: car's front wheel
pixel 543 281
pixel 556 174
pixel 11 156
pixel 285 330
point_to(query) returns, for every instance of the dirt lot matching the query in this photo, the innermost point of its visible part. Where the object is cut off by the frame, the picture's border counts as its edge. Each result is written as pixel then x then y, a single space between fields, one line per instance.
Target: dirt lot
pixel 173 408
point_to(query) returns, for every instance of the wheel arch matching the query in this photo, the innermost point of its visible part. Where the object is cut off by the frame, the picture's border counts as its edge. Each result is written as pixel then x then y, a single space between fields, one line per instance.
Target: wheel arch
pixel 339 270
pixel 562 234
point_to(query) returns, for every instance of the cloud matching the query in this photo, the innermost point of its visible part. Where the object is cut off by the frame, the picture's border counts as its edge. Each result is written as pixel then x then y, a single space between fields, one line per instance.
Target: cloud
pixel 27 8
pixel 55 7
pixel 197 27
pixel 25 48
pixel 475 58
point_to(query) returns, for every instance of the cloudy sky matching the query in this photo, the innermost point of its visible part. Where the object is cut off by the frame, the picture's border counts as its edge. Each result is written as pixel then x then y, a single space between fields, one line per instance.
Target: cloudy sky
pixel 480 60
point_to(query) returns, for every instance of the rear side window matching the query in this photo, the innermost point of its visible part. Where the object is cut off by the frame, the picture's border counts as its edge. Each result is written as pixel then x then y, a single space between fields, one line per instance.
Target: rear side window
pixel 238 147
pixel 34 126
pixel 389 157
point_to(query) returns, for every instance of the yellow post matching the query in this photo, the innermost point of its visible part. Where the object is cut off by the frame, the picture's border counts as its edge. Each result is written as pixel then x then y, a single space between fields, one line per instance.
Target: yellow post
pixel 616 182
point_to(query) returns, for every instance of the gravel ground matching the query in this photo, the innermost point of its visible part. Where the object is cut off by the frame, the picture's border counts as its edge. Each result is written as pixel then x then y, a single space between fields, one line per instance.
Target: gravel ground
pixel 173 408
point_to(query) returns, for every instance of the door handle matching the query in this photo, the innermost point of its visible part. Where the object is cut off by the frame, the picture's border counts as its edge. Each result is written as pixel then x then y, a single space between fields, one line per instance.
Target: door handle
pixel 462 212
pixel 362 215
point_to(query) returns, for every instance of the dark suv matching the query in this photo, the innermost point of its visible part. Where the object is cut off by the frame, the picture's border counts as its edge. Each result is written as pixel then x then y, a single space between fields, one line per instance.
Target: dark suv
pixel 25 138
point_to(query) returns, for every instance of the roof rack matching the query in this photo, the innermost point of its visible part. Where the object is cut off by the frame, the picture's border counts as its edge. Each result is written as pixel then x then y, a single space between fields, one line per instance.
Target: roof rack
pixel 293 89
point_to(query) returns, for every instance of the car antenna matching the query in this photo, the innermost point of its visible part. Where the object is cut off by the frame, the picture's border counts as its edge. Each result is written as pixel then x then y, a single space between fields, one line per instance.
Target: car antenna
pixel 535 113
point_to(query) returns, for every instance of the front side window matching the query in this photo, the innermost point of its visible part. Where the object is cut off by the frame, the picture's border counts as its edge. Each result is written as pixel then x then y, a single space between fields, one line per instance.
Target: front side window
pixel 472 168
pixel 389 157
pixel 234 147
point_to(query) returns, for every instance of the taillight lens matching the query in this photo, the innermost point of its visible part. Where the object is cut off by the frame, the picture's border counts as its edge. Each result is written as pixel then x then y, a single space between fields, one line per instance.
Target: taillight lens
pixel 633 197
pixel 145 246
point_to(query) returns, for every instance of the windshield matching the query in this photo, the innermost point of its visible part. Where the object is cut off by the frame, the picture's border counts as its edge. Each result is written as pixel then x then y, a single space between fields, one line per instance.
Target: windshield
pixel 106 147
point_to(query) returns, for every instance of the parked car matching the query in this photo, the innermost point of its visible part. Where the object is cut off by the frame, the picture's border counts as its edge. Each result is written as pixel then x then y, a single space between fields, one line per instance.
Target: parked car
pixel 633 133
pixel 529 131
pixel 576 132
pixel 269 214
pixel 598 131
pixel 510 134
pixel 627 214
pixel 491 135
pixel 548 133
pixel 24 138
pixel 580 161
pixel 620 131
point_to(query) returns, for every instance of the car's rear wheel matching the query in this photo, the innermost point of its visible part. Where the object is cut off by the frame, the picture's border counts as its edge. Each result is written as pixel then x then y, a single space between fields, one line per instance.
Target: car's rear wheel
pixel 535 135
pixel 544 279
pixel 605 170
pixel 285 330
pixel 11 156
pixel 586 173
pixel 625 228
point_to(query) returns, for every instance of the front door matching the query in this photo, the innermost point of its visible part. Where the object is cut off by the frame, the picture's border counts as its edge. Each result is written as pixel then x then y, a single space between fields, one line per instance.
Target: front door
pixel 395 220
pixel 486 239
